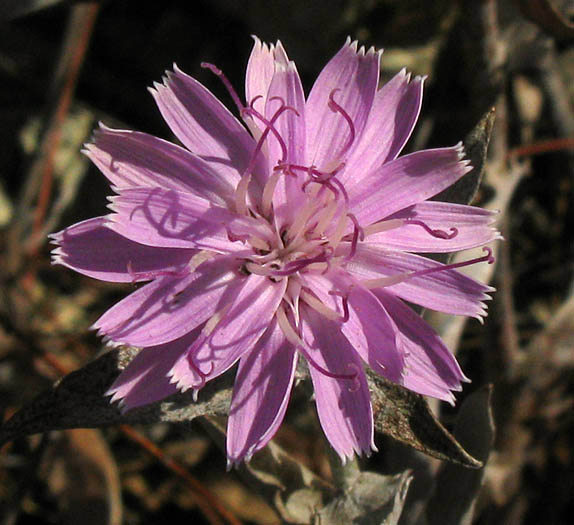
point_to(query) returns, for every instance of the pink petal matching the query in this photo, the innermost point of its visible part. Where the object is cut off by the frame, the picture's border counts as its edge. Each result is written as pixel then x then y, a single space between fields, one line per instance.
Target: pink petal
pixel 170 307
pixel 91 249
pixel 247 314
pixel 430 368
pixel 391 121
pixel 374 335
pixel 406 181
pixel 173 219
pixel 472 224
pixel 343 404
pixel 286 90
pixel 369 329
pixel 146 380
pixel 351 77
pixel 203 124
pixel 260 395
pixel 260 69
pixel 446 291
pixel 130 159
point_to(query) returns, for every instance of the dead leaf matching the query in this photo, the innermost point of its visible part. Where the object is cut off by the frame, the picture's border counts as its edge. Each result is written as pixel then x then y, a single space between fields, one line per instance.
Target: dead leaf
pixel 548 18
pixel 82 474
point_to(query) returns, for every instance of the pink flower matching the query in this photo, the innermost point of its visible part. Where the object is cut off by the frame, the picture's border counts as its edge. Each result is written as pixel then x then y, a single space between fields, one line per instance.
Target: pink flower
pixel 295 238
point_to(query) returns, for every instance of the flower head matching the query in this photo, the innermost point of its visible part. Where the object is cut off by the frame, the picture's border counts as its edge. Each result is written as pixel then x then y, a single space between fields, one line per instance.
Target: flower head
pixel 292 233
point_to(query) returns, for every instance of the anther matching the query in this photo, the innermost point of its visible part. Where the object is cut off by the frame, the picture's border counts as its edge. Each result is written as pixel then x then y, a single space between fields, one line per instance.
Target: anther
pixel 253 100
pixel 270 126
pixel 439 234
pixel 216 71
pixel 325 178
pixel 333 106
pixel 358 234
pixel 353 376
pixel 345 302
pixel 199 372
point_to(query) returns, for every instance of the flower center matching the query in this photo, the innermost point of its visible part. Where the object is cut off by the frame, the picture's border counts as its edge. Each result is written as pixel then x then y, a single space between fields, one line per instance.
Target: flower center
pixel 321 231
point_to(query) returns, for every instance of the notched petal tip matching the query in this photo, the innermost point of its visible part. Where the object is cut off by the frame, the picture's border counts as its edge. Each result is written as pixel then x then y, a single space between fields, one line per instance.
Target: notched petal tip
pixel 104 127
pixel 112 206
pixel 372 51
pixel 116 398
pixel 56 259
pixel 56 237
pixel 461 153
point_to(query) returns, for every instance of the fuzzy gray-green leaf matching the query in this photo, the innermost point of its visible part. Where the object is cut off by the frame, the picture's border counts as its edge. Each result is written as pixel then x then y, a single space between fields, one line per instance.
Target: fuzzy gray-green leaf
pixel 78 401
pixel 406 417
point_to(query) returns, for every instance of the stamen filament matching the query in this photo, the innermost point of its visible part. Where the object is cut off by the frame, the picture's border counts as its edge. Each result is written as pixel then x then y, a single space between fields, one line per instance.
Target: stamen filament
pixel 489 258
pixel 258 243
pixel 383 226
pixel 199 258
pixel 337 235
pixel 146 276
pixel 268 190
pixel 259 269
pixel 292 297
pixel 387 281
pixel 295 266
pixel 241 194
pixel 342 189
pixel 326 217
pixel 262 259
pixel 322 267
pixel 297 228
pixel 401 277
pixel 287 328
pixel 320 307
